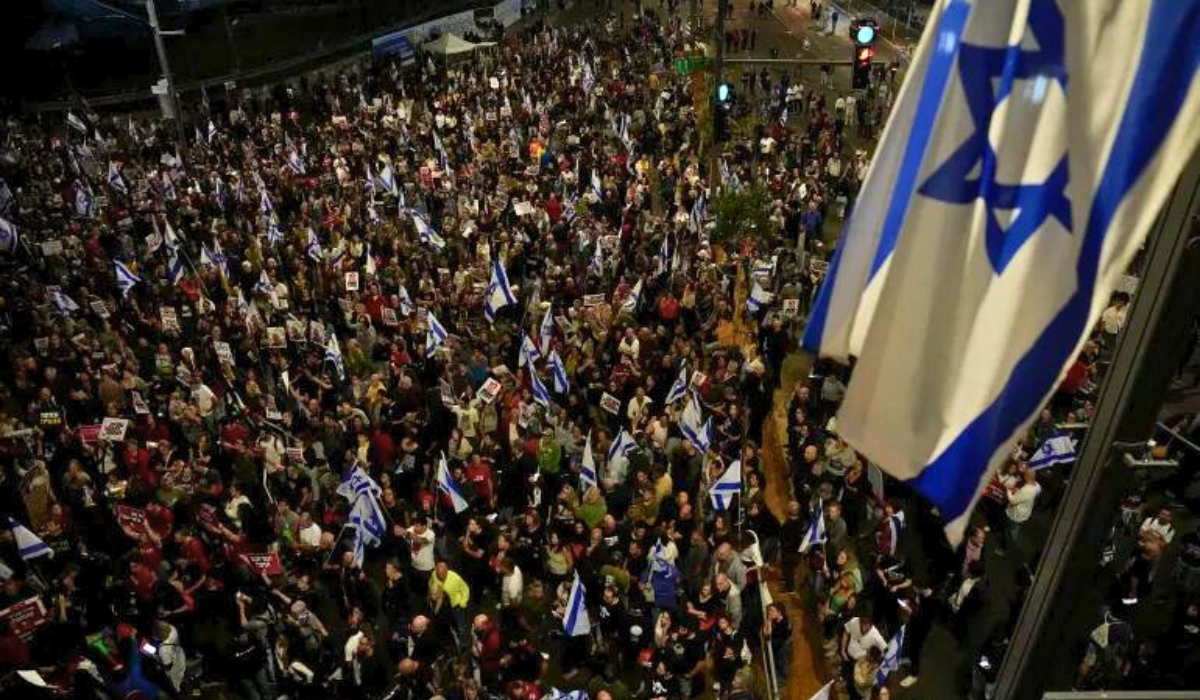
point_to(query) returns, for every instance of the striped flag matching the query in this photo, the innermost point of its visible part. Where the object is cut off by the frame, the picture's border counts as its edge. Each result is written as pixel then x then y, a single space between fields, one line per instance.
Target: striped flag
pixel 435 335
pixel 729 484
pixel 559 372
pixel 815 535
pixel 499 293
pixel 679 387
pixel 529 352
pixel 426 232
pixel 891 658
pixel 698 433
pixel 125 278
pixel 541 395
pixel 8 235
pixel 29 545
pixel 115 181
pixel 445 482
pixel 1056 450
pixel 587 465
pixel 575 621
pixel 546 332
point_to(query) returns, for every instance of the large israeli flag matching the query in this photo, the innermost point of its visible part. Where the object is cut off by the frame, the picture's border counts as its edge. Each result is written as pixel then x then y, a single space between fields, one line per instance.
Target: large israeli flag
pixel 1056 450
pixel 694 428
pixel 559 371
pixel 1031 147
pixel 727 486
pixel 891 659
pixel 426 233
pixel 575 621
pixel 499 293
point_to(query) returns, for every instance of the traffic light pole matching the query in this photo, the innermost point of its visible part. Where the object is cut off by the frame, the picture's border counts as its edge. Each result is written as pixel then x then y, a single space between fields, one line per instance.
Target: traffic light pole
pixel 719 77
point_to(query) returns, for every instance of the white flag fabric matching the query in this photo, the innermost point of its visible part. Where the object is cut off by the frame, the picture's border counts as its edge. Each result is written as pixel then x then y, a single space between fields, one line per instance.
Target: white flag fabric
pixel 1056 450
pixel 891 659
pixel 541 395
pixel 630 305
pixel 679 386
pixel 727 486
pixel 499 293
pixel 575 621
pixel 1031 147
pixel 446 483
pixel 126 279
pixel 546 332
pixel 815 534
pixel 426 232
pixel 529 352
pixel 824 693
pixel 29 545
pixel 587 466
pixel 559 372
pixel 435 334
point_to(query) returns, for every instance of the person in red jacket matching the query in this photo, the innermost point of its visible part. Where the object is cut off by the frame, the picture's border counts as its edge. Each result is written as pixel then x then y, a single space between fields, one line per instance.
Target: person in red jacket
pixel 487 647
pixel 479 474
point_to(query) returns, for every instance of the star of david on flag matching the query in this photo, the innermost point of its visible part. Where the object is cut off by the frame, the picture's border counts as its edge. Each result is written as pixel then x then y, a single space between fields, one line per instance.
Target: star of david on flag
pixel 1017 177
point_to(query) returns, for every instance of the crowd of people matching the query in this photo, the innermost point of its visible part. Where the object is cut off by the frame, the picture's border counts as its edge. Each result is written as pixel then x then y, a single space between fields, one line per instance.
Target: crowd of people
pixel 412 380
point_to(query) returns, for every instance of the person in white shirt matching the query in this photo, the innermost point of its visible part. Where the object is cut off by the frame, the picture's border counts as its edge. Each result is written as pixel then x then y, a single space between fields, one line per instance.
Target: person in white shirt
pixel 1113 319
pixel 1021 497
pixel 859 636
pixel 630 346
pixel 512 583
pixel 309 531
pixel 637 408
pixel 421 539
pixel 1161 524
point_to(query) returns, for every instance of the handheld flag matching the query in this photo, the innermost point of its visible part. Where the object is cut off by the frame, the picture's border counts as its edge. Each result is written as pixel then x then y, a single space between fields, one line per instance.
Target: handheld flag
pixel 1056 450
pixel 621 446
pixel 174 266
pixel 426 233
pixel 758 298
pixel 559 372
pixel 29 545
pixel 529 352
pixel 435 335
pixel 125 278
pixel 115 181
pixel 575 621
pixel 815 535
pixel 597 188
pixel 212 131
pixel 264 203
pixel 445 482
pixel 891 658
pixel 499 294
pixel 313 247
pixel 630 305
pixel 664 257
pixel 729 484
pixel 587 465
pixel 541 395
pixel 333 354
pixel 696 432
pixel 679 386
pixel 387 179
pixel 546 332
pixel 8 235
pixel 994 184
pixel 65 304
pixel 696 217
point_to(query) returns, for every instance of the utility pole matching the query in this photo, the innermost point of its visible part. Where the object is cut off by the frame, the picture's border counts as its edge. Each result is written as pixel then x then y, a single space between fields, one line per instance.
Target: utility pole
pixel 237 61
pixel 719 78
pixel 172 97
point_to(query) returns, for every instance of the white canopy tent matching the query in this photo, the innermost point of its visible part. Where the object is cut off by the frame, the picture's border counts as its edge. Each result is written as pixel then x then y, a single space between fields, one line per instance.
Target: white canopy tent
pixel 451 45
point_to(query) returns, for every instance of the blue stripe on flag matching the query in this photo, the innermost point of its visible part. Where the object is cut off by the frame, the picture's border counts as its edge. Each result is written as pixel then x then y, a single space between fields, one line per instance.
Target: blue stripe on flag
pixel 1170 59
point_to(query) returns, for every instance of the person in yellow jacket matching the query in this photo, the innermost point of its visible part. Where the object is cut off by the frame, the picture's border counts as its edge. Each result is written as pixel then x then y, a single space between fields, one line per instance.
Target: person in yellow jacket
pixel 445 582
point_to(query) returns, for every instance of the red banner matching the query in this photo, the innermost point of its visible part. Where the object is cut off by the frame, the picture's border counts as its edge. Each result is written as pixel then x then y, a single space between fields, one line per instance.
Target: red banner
pixel 25 618
pixel 133 518
pixel 264 563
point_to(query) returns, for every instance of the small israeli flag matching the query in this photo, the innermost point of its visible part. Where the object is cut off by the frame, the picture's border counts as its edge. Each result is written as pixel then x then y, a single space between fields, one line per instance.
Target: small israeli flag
pixel 679 387
pixel 174 266
pixel 546 332
pixel 587 465
pixel 295 163
pixel 169 236
pixel 1055 450
pixel 83 200
pixel 540 394
pixel 435 335
pixel 694 430
pixel 65 304
pixel 499 293
pixel 588 80
pixel 575 621
pixel 1024 159
pixel 729 484
pixel 115 181
pixel 445 482
pixel 76 123
pixel 125 278
pixel 168 187
pixel 596 265
pixel 621 446
pixel 664 257
pixel 556 694
pixel 630 305
pixel 29 545
pixel 815 535
pixel 313 247
pixel 274 232
pixel 8 235
pixel 264 284
pixel 264 203
pixel 369 262
pixel 406 304
pixel 699 211
pixel 529 352
pixel 387 180
pixel 559 372
pixel 758 298
pixel 426 232
pixel 368 519
pixel 597 188
pixel 212 131
pixel 891 658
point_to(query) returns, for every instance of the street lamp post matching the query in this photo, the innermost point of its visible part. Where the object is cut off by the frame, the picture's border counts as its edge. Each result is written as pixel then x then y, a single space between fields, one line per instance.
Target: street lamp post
pixel 161 48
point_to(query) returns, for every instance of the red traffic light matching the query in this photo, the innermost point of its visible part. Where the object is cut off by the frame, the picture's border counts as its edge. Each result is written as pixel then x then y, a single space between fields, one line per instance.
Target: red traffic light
pixel 865 53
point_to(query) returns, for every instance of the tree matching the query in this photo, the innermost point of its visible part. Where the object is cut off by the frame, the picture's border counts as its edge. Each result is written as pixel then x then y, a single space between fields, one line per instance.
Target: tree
pixel 741 214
